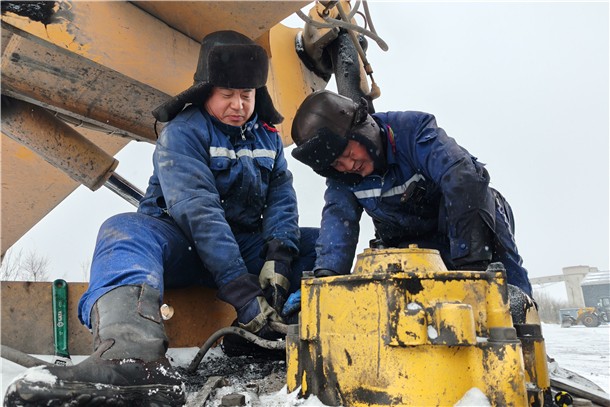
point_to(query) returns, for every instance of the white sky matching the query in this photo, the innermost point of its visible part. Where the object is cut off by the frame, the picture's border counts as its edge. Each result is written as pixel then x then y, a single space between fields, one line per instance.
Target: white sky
pixel 523 86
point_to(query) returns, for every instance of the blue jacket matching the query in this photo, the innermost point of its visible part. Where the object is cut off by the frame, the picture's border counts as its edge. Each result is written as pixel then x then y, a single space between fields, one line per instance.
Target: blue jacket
pixel 215 180
pixel 430 191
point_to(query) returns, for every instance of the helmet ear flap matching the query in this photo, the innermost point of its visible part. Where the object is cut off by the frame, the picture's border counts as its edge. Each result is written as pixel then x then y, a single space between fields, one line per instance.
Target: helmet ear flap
pixel 362 112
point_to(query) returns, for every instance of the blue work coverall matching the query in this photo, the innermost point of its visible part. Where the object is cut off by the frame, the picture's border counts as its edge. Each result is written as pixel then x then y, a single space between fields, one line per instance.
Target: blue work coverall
pixel 429 195
pixel 218 193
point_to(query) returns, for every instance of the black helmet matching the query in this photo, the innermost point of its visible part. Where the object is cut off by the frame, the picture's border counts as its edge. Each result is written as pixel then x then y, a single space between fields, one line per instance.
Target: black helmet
pixel 322 127
pixel 227 59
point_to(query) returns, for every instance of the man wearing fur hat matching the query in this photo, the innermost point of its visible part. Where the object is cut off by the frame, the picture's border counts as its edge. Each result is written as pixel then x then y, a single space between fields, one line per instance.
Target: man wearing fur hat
pixel 220 210
pixel 417 184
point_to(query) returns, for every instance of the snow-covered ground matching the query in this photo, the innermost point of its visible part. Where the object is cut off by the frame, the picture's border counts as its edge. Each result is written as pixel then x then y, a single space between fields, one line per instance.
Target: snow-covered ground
pixel 582 350
pixel 585 351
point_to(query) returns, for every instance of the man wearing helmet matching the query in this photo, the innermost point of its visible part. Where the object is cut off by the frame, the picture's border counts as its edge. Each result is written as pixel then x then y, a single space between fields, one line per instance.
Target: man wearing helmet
pixel 417 184
pixel 220 210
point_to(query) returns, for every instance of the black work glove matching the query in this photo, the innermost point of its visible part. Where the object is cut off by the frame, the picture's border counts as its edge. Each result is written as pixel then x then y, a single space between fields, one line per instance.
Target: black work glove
pixel 253 311
pixel 274 277
pixel 481 244
pixel 319 273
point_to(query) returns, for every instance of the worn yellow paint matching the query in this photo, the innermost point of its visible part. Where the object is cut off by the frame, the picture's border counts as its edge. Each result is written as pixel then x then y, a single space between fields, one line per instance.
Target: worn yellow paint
pixel 23 153
pixel 404 330
pixel 292 353
pixel 59 33
pixel 58 143
pixel 156 43
pixel 543 379
pixel 31 187
pixel 124 38
pixel 535 362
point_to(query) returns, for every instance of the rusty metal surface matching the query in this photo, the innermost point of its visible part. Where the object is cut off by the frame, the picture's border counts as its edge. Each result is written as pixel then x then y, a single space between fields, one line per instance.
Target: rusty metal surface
pixel 27 318
pixel 120 37
pixel 57 142
pixel 46 75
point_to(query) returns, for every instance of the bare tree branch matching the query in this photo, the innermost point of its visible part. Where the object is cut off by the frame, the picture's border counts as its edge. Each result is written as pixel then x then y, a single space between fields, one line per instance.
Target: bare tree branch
pixel 85 266
pixel 10 269
pixel 20 267
pixel 35 267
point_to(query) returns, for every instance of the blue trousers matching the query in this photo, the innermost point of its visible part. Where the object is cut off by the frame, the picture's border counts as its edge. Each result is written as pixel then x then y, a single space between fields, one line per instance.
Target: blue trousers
pixel 134 248
pixel 505 247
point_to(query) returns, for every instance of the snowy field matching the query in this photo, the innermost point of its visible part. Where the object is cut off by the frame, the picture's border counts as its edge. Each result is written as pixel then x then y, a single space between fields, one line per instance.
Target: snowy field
pixel 585 351
pixel 582 350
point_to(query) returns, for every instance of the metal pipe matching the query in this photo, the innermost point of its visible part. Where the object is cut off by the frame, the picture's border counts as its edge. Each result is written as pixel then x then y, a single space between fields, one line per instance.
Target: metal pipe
pixel 21 358
pixel 56 142
pixel 65 148
pixel 124 189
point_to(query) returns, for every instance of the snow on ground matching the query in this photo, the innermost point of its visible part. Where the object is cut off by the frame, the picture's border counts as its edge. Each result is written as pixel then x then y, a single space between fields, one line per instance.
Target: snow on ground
pixel 585 351
pixel 582 350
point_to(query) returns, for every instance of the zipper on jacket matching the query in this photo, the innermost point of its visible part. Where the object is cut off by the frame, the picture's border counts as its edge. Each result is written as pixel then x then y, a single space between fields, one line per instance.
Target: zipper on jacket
pixel 243 132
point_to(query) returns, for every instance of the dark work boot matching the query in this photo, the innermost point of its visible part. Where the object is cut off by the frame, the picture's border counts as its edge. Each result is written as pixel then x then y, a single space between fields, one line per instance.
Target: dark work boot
pixel 128 366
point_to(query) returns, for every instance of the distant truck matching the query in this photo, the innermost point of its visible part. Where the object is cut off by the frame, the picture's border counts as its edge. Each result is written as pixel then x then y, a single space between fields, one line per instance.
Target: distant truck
pixel 588 316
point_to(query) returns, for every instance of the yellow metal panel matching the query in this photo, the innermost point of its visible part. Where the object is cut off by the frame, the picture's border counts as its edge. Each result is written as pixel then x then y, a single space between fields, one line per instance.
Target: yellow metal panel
pixel 195 19
pixel 454 323
pixel 392 260
pixel 292 357
pixel 31 187
pixel 534 356
pixel 398 332
pixel 410 327
pixel 289 81
pixel 122 37
pixel 139 42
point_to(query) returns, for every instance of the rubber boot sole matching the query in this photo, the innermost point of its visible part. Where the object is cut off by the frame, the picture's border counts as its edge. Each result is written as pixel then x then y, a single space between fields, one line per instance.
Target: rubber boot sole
pixel 31 394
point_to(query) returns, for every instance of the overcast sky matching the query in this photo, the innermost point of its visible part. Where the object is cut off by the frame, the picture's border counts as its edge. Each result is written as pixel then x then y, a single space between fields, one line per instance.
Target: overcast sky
pixel 522 86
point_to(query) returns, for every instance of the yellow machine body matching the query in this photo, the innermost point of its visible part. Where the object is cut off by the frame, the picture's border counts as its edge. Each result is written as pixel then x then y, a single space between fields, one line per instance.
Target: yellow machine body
pixel 403 330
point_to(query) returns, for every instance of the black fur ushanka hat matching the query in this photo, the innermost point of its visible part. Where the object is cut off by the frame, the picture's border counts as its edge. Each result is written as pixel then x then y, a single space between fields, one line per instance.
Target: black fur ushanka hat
pixel 227 59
